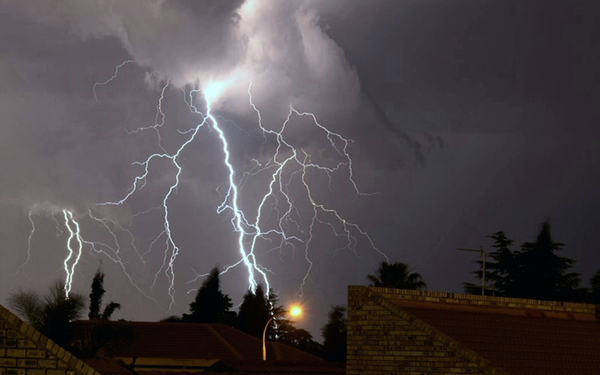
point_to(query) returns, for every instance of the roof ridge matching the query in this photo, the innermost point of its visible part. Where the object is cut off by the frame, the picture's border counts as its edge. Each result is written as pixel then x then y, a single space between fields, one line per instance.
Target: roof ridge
pixel 477 300
pixel 502 310
pixel 483 362
pixel 224 342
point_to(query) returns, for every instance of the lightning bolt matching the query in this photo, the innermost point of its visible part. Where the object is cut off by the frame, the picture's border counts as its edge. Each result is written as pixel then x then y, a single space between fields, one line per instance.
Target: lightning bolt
pixel 73 227
pixel 22 266
pixel 172 250
pixel 277 220
pixel 300 165
pixel 75 244
pixel 230 202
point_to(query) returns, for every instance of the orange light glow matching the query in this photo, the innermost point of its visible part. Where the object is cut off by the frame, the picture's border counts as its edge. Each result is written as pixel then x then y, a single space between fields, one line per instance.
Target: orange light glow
pixel 296 311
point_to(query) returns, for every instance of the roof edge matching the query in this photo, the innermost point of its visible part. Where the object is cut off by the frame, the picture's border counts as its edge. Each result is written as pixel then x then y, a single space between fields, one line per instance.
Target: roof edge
pixel 44 342
pixel 477 300
pixel 379 296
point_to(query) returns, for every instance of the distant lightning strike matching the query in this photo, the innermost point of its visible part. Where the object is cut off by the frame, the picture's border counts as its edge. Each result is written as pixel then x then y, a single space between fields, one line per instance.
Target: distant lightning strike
pixel 22 266
pixel 74 236
pixel 286 158
pixel 75 244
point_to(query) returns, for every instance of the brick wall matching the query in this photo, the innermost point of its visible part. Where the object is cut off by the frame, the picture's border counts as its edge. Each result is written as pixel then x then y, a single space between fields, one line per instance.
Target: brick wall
pixel 25 351
pixel 384 339
pixel 477 300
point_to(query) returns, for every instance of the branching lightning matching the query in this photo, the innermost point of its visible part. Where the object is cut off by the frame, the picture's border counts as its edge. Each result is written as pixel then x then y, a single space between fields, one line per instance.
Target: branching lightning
pixel 278 220
pixel 111 78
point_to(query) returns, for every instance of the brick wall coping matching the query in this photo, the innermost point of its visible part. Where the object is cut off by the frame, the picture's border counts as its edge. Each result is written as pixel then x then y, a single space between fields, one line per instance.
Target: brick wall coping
pixel 381 297
pixel 476 300
pixel 45 343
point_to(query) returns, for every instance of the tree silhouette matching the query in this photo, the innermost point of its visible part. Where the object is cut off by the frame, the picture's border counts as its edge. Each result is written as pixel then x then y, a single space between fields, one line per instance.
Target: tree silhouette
pixel 542 274
pixel 535 271
pixel 299 338
pixel 595 283
pixel 396 275
pixel 50 314
pixel 96 299
pixel 210 304
pixel 254 313
pixel 500 271
pixel 256 310
pixel 334 334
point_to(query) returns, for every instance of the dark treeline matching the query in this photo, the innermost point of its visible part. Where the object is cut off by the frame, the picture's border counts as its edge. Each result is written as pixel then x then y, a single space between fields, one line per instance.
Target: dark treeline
pixel 257 310
pixel 212 306
pixel 534 271
pixel 53 315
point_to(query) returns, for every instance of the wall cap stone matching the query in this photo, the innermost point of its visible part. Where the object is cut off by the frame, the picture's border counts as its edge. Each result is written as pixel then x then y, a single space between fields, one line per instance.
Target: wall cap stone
pixel 477 300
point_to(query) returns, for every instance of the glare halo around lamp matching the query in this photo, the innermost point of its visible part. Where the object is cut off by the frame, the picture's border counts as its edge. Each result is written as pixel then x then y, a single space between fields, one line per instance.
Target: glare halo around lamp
pixel 294 311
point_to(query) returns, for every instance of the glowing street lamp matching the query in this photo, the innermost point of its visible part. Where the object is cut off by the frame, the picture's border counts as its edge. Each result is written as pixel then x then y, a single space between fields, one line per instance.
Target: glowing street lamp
pixel 294 312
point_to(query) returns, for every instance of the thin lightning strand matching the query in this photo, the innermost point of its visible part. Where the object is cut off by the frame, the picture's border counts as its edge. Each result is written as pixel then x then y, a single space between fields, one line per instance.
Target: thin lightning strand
pixel 76 250
pixel 73 234
pixel 22 266
pixel 111 78
pixel 287 164
pixel 115 252
pixel 172 250
pixel 304 164
pixel 157 123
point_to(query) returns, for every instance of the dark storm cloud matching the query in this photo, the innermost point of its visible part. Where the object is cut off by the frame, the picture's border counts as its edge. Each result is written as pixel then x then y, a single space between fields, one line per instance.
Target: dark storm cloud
pixel 510 87
pixel 64 150
pixel 480 116
pixel 531 58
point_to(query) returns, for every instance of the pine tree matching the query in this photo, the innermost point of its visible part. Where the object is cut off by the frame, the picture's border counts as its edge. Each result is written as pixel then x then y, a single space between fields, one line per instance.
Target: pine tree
pixel 500 269
pixel 210 304
pixel 335 333
pixel 542 274
pixel 254 313
pixel 535 271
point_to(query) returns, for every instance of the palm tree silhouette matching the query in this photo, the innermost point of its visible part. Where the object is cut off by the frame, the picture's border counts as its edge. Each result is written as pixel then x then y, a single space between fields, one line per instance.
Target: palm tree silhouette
pixel 396 275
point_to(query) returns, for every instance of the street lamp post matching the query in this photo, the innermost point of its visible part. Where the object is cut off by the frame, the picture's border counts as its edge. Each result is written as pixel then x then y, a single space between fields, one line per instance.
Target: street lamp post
pixel 295 311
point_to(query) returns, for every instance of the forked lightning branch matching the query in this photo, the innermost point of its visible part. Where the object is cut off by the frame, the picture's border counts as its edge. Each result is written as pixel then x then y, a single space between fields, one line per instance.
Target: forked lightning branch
pixel 290 172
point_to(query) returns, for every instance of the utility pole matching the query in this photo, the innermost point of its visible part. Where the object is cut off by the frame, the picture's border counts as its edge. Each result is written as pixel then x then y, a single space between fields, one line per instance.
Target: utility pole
pixel 483 256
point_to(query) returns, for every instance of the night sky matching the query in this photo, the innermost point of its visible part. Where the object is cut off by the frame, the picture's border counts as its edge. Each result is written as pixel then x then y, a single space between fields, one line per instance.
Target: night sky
pixel 466 118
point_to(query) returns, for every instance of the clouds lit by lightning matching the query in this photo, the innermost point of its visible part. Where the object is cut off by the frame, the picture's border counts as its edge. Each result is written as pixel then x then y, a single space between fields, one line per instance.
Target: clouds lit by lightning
pixel 286 213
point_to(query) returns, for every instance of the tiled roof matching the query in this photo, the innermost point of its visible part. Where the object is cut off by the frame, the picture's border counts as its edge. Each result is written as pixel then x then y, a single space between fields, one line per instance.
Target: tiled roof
pixel 290 367
pixel 199 341
pixel 188 348
pixel 107 366
pixel 516 339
